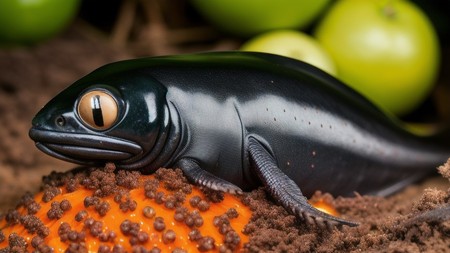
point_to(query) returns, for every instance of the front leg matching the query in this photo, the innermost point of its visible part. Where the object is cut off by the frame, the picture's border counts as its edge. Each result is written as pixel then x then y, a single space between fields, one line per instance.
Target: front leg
pixel 201 177
pixel 285 190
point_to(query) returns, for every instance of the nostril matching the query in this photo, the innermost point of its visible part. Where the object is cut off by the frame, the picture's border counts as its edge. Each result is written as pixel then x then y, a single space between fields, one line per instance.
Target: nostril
pixel 35 124
pixel 60 121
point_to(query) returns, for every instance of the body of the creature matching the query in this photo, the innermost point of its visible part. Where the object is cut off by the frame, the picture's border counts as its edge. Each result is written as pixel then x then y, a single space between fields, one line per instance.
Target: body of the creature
pixel 232 121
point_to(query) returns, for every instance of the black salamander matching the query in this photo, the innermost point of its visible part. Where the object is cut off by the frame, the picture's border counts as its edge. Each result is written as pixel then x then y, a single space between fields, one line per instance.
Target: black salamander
pixel 232 121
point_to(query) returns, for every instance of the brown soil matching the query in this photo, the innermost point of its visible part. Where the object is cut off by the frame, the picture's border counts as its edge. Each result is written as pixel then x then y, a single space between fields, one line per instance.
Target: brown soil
pixel 415 220
pixel 411 221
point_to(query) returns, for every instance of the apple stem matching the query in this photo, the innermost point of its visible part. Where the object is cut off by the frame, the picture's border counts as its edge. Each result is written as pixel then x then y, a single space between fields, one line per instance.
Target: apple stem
pixel 388 9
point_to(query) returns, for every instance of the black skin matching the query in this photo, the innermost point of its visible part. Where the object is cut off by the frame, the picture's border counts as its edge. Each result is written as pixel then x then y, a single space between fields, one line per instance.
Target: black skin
pixel 232 121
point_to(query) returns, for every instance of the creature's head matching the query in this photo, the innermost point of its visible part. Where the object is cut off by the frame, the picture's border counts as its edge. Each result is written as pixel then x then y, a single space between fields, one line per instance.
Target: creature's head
pixel 115 114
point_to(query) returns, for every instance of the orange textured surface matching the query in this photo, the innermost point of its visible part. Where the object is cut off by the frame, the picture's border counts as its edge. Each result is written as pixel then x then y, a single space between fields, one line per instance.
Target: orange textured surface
pixel 325 207
pixel 115 217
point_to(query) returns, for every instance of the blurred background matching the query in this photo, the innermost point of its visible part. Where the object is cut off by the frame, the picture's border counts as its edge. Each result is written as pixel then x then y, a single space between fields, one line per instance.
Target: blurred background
pixel 398 51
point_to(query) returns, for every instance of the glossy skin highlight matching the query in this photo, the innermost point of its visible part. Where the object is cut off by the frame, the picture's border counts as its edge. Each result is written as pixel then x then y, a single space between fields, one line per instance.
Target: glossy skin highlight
pixel 232 120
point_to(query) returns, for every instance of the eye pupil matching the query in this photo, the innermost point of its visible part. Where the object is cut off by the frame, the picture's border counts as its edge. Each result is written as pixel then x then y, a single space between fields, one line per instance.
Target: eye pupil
pixel 97 109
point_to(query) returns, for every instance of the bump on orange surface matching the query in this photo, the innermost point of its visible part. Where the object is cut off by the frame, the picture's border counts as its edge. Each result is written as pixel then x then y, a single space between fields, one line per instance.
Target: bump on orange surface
pixel 102 211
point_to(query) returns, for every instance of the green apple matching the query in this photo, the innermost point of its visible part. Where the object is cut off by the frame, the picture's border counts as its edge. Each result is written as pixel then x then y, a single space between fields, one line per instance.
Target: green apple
pixel 292 44
pixel 250 17
pixel 31 21
pixel 387 50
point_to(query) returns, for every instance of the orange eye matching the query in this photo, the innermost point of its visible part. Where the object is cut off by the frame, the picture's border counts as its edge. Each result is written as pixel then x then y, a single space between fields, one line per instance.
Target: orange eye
pixel 98 109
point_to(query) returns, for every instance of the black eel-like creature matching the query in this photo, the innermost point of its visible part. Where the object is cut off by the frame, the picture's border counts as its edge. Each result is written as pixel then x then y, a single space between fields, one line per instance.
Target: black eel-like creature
pixel 232 121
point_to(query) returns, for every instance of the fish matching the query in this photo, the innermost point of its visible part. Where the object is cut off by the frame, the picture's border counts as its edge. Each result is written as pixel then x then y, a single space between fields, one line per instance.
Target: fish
pixel 233 121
